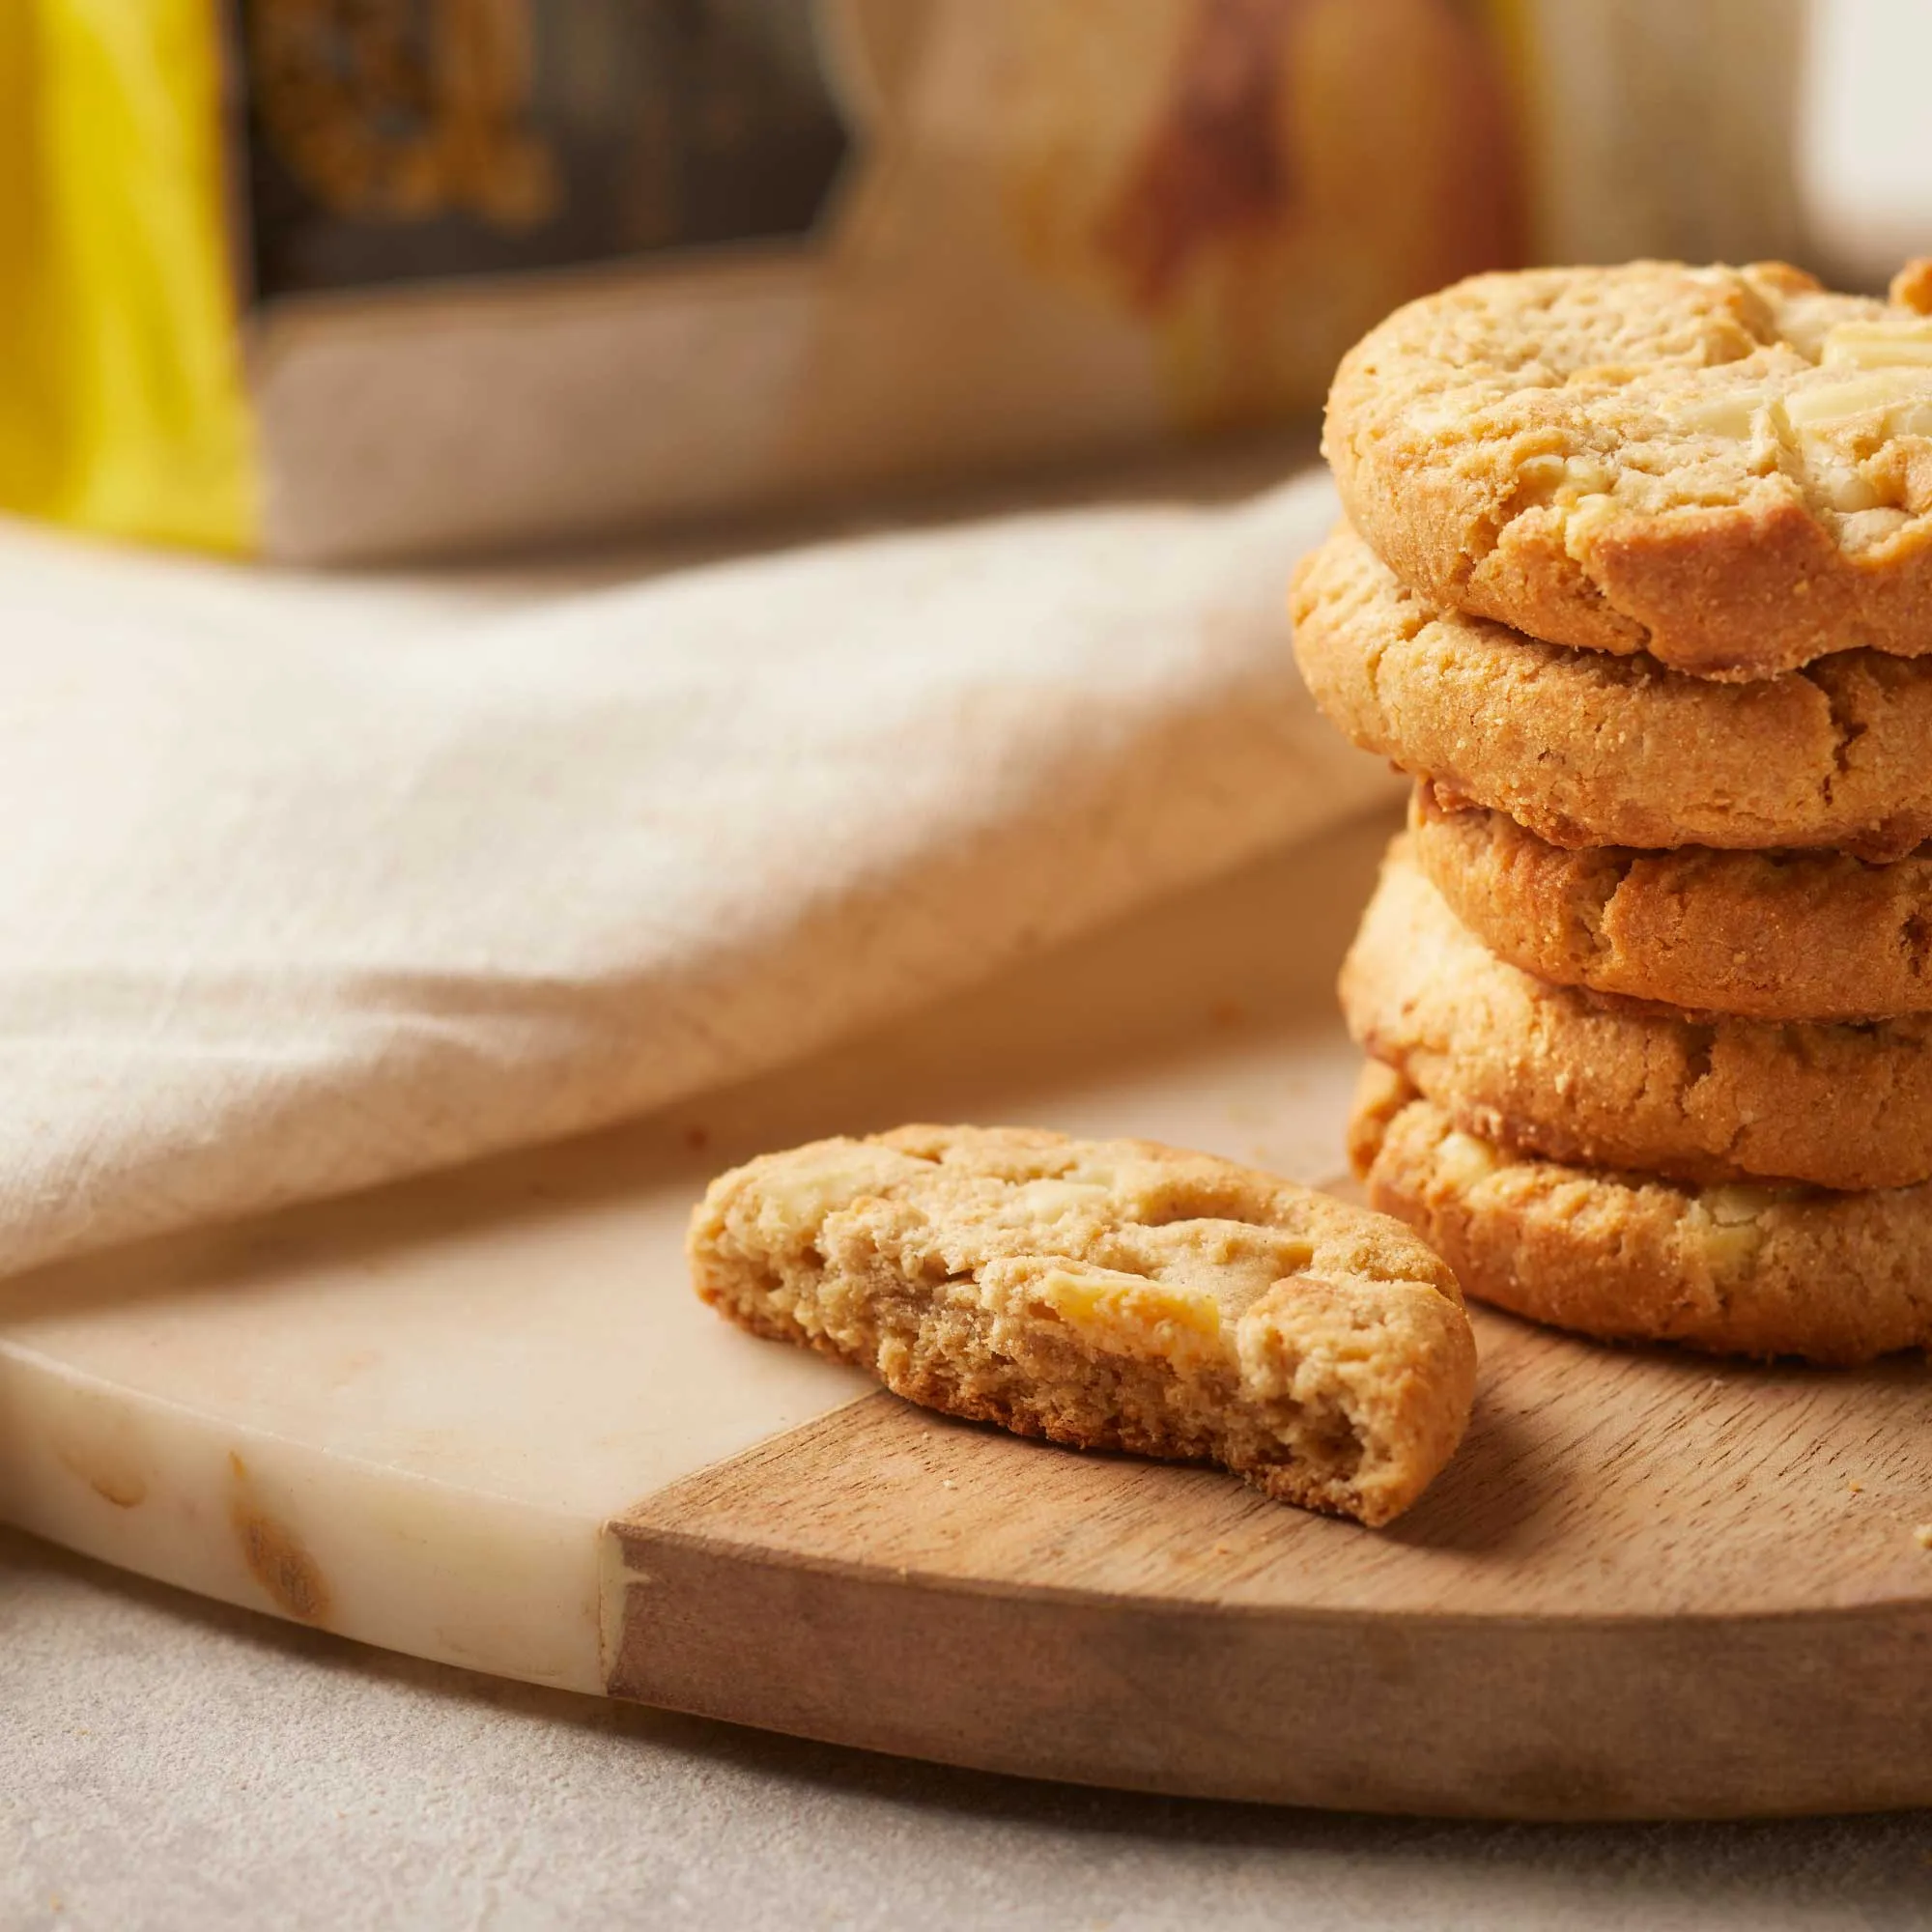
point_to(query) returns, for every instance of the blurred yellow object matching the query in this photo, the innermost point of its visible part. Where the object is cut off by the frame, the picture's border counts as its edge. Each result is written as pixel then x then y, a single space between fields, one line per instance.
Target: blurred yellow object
pixel 121 395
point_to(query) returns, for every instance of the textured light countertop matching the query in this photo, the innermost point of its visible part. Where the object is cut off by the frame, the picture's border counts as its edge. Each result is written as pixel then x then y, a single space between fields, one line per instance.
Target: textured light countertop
pixel 174 1763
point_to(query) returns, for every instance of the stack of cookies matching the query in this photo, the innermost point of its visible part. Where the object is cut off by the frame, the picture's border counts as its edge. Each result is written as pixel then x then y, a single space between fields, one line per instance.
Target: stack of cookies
pixel 1638 585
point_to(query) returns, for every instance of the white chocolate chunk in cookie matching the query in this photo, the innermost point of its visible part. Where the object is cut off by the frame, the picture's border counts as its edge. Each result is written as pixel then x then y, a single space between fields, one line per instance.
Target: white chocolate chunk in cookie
pixel 1731 1222
pixel 1887 402
pixel 1894 342
pixel 1467 1160
pixel 1129 1312
pixel 1561 479
pixel 1734 416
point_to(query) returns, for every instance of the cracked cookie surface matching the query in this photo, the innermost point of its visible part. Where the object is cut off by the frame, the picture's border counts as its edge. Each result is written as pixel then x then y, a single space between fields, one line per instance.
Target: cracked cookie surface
pixel 1108 1294
pixel 1834 1278
pixel 1766 935
pixel 1590 750
pixel 1602 1083
pixel 1727 469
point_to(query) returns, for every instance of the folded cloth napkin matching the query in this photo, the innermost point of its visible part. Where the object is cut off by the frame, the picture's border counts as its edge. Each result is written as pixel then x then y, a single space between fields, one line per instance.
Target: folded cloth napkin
pixel 300 902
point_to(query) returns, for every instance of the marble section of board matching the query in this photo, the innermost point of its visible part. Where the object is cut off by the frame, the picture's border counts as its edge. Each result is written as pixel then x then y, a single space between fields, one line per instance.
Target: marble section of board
pixel 407 1416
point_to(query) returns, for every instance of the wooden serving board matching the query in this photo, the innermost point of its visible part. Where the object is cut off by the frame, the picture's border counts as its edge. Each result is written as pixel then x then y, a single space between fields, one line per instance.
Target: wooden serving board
pixel 481 1418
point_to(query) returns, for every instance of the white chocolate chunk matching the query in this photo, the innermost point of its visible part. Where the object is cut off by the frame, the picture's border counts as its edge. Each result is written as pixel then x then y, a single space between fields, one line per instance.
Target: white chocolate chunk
pixel 1889 344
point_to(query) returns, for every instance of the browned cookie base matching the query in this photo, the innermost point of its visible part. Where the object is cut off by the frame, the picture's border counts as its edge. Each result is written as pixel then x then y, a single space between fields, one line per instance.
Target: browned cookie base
pixel 1765 935
pixel 1609 1083
pixel 1835 1278
pixel 1110 1295
pixel 1730 469
pixel 1590 750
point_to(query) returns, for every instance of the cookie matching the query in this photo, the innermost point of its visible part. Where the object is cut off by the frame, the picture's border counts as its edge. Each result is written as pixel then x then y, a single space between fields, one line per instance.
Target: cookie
pixel 1727 469
pixel 1110 1295
pixel 1576 1077
pixel 1835 1278
pixel 1768 935
pixel 1590 750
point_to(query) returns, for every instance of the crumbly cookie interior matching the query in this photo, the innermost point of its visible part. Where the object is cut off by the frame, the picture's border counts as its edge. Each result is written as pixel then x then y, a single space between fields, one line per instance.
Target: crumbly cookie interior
pixel 1105 1295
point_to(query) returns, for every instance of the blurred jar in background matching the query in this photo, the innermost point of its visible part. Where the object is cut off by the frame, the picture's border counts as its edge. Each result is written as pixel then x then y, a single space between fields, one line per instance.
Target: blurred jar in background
pixel 356 279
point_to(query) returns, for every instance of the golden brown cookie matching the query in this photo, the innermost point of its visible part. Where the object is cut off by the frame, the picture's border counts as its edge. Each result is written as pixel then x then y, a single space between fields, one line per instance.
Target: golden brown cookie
pixel 1111 1294
pixel 1768 935
pixel 1590 750
pixel 1728 468
pixel 1837 1278
pixel 1605 1083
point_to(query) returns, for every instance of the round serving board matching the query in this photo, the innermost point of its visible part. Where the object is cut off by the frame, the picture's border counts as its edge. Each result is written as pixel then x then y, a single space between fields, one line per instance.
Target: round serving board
pixel 482 1418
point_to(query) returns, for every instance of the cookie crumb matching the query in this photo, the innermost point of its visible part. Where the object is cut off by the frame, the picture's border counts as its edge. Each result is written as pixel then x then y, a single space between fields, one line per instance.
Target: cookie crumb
pixel 1856 1489
pixel 1922 1536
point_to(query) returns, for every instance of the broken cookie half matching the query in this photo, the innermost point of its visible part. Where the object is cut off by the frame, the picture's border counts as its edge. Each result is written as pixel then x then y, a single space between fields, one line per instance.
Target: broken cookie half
pixel 1109 1294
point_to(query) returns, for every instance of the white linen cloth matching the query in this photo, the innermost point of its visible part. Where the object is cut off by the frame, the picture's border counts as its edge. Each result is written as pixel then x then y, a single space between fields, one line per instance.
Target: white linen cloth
pixel 308 889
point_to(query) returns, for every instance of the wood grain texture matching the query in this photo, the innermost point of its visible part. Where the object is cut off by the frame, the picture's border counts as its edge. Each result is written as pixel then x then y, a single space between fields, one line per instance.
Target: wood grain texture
pixel 1649 1586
